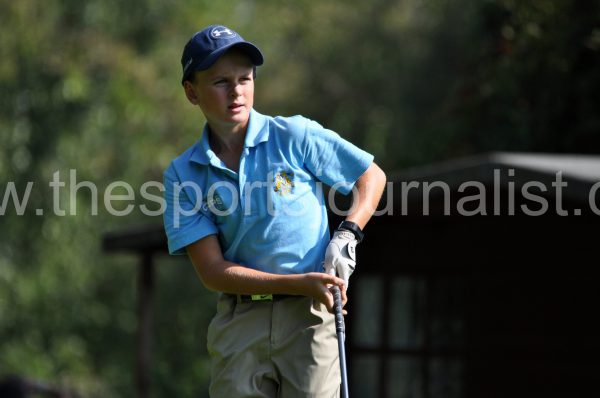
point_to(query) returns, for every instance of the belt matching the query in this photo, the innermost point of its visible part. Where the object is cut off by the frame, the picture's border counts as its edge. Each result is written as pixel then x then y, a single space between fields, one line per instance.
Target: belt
pixel 244 298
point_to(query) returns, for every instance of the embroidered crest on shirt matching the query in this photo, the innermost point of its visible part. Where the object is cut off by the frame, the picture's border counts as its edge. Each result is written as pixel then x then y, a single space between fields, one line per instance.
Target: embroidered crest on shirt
pixel 283 182
pixel 214 202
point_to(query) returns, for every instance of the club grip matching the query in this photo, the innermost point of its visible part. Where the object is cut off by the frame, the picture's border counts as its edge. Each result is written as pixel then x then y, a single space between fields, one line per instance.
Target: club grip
pixel 337 309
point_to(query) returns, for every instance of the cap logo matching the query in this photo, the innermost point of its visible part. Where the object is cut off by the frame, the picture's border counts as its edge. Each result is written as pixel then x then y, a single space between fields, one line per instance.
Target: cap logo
pixel 221 32
pixel 187 65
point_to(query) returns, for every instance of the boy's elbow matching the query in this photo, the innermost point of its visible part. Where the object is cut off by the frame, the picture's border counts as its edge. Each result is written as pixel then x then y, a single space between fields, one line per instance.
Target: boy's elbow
pixel 379 175
pixel 208 273
pixel 206 279
pixel 382 174
pixel 209 277
pixel 205 255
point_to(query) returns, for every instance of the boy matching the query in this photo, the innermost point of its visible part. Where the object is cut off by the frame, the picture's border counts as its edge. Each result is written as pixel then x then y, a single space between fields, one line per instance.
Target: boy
pixel 246 204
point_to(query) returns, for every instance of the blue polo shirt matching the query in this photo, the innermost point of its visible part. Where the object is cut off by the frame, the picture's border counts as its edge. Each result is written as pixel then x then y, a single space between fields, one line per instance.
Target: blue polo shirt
pixel 271 215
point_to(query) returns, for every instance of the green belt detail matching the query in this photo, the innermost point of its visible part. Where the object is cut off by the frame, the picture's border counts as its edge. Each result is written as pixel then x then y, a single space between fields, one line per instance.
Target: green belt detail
pixel 262 297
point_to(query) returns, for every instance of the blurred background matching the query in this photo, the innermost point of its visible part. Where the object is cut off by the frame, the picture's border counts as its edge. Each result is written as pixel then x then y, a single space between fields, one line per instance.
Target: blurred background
pixel 94 86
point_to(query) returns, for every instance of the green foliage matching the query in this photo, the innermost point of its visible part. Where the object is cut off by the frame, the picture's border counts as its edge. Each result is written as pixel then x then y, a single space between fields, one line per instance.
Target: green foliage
pixel 94 87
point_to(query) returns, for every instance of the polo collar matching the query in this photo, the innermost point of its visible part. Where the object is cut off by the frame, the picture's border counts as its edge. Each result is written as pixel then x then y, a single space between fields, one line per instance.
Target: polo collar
pixel 255 134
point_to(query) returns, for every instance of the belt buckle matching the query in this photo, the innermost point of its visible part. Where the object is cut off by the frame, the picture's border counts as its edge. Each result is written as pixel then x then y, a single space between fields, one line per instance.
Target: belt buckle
pixel 262 297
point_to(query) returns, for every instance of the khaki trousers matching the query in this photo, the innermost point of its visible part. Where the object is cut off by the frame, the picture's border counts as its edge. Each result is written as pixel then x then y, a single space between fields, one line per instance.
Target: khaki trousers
pixel 284 348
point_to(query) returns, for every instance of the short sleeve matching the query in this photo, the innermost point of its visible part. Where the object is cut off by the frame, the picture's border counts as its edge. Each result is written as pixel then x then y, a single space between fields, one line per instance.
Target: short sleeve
pixel 184 220
pixel 332 159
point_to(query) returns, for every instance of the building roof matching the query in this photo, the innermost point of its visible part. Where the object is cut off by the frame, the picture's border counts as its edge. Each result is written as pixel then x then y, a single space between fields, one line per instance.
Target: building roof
pixel 580 167
pixel 580 172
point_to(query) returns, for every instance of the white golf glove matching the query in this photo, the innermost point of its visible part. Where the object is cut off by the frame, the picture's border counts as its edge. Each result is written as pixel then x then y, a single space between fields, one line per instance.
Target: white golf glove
pixel 340 256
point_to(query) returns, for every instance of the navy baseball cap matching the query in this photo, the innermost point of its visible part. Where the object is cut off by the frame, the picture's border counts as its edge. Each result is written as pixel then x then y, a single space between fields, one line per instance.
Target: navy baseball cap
pixel 207 45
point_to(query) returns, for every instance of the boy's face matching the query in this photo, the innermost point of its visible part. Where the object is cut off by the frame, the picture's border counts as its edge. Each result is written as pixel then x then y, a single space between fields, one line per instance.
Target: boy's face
pixel 225 91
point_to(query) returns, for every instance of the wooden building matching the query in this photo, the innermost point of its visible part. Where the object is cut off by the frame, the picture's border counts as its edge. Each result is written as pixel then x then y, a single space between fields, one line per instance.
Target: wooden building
pixel 479 281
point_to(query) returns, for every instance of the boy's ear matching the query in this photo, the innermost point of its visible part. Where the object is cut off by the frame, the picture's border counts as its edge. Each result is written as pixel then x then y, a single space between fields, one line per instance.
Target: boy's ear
pixel 190 93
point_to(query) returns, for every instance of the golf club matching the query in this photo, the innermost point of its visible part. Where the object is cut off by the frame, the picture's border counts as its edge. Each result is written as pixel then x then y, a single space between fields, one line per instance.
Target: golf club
pixel 341 336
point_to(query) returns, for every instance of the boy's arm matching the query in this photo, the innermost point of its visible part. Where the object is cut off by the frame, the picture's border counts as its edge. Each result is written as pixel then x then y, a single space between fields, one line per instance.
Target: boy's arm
pixel 218 274
pixel 370 187
pixel 340 256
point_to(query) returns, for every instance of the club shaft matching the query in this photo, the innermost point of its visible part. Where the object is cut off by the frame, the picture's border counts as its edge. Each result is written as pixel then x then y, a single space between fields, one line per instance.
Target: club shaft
pixel 341 336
